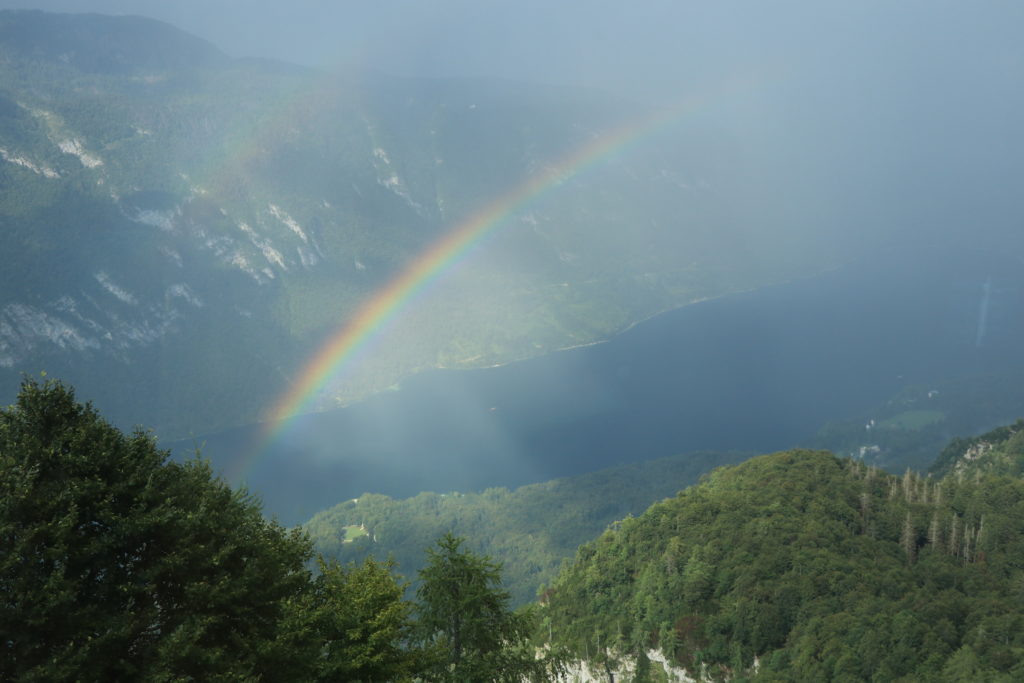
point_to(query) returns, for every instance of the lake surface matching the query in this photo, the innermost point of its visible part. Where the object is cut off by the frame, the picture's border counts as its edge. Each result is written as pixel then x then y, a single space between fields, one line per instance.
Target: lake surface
pixel 759 371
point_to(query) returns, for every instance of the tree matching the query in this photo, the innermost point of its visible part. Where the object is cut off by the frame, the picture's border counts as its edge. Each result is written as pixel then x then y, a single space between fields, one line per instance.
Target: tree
pixel 465 623
pixel 118 564
pixel 360 621
pixel 908 539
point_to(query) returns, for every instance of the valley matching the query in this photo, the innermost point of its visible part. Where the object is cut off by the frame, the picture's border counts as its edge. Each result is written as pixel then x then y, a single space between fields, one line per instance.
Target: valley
pixel 805 363
pixel 204 224
pixel 668 345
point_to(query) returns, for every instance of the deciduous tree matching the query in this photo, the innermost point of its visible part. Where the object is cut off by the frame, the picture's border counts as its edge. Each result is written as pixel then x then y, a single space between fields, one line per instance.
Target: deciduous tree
pixel 119 564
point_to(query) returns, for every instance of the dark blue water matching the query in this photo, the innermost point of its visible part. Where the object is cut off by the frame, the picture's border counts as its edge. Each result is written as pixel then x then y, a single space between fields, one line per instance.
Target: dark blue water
pixel 758 371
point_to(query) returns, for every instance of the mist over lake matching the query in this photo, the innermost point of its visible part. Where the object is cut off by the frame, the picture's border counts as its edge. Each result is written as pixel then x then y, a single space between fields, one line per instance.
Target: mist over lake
pixel 758 371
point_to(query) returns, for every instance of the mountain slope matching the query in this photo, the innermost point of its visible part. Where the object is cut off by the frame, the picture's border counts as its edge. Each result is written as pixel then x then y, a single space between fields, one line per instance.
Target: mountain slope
pixel 999 451
pixel 182 231
pixel 801 566
pixel 93 43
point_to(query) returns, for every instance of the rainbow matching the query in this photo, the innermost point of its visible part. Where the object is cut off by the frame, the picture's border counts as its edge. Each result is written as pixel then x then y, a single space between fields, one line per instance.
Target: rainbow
pixel 383 306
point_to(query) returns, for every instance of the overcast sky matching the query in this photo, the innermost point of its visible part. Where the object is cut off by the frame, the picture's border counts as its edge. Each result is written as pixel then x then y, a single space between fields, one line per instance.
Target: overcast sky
pixel 912 110
pixel 643 48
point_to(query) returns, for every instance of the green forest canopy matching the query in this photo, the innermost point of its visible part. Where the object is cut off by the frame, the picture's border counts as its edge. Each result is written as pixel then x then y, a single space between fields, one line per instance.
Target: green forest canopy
pixel 530 530
pixel 802 566
pixel 118 563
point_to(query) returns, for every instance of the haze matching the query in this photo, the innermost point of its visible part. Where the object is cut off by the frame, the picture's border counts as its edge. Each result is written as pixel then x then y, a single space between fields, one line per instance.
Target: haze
pixel 650 47
pixel 824 135
pixel 354 252
pixel 911 109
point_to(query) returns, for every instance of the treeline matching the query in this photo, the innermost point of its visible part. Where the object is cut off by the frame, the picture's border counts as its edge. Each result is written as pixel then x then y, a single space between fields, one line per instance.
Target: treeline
pixel 802 566
pixel 118 564
pixel 530 530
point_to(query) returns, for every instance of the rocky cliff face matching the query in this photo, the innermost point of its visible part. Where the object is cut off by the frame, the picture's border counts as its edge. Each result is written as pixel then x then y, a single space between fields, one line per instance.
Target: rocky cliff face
pixel 625 669
pixel 999 451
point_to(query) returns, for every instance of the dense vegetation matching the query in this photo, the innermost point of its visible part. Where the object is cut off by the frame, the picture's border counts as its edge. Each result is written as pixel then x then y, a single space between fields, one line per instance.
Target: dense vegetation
pixel 802 566
pixel 530 530
pixel 116 564
pixel 533 528
pixel 1000 451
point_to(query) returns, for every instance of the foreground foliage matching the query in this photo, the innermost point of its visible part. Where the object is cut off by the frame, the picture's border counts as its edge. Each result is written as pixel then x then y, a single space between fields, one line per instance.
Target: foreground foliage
pixel 118 564
pixel 814 568
pixel 115 562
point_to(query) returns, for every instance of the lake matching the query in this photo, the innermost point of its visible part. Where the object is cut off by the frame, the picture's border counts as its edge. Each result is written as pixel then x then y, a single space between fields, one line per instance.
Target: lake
pixel 758 371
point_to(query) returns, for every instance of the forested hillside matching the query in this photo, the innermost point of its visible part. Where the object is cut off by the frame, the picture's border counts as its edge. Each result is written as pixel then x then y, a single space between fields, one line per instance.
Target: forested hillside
pixel 530 530
pixel 1000 451
pixel 802 566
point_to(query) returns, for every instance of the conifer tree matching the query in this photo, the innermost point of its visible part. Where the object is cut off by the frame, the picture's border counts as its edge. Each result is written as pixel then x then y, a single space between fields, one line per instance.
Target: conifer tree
pixel 865 511
pixel 908 539
pixel 465 625
pixel 934 532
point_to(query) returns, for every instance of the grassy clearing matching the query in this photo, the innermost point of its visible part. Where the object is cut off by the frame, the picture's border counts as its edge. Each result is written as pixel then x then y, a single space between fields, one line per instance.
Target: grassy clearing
pixel 913 420
pixel 354 531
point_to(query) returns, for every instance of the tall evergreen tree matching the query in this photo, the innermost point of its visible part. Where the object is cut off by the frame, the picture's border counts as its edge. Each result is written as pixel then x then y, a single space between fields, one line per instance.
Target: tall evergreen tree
pixel 465 622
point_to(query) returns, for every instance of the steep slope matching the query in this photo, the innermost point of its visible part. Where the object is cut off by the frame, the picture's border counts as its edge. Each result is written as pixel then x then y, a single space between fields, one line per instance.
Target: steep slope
pixel 182 231
pixel 800 566
pixel 530 530
pixel 1000 451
